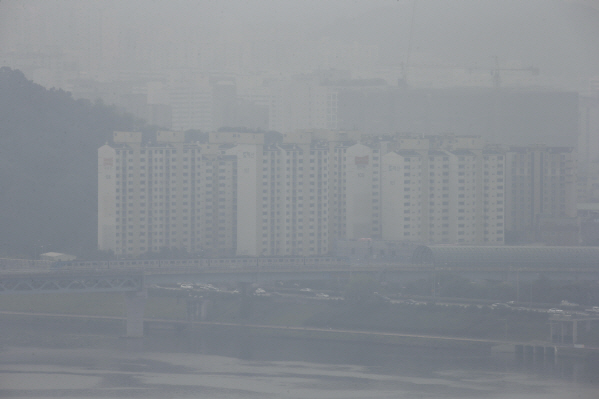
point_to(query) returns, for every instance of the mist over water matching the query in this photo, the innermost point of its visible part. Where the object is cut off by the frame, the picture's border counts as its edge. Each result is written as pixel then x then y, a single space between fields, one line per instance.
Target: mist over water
pixel 236 363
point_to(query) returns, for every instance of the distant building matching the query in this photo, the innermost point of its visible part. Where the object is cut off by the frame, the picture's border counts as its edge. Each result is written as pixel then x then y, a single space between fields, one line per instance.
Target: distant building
pixel 171 194
pixel 438 189
pixel 301 104
pixel 231 196
pixel 191 105
pixel 540 190
pixel 501 116
pixel 57 256
pixel 315 190
pixel 588 216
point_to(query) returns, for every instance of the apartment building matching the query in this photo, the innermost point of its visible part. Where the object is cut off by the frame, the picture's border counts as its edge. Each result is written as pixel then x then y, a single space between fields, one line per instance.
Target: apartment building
pixel 295 199
pixel 191 105
pixel 441 189
pixel 362 192
pixel 171 194
pixel 302 103
pixel 400 215
pixel 230 196
pixel 493 196
pixel 540 188
pixel 236 195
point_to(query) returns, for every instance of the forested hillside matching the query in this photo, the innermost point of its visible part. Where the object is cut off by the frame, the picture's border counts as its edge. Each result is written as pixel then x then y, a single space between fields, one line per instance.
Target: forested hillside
pixel 48 167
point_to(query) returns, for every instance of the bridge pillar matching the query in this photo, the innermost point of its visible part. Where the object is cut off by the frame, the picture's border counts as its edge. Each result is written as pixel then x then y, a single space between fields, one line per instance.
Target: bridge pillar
pixel 135 302
pixel 519 350
pixel 539 354
pixel 205 309
pixel 550 352
pixel 529 351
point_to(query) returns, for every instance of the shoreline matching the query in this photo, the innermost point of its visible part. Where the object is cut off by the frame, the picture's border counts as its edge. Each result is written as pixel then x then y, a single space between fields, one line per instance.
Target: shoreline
pixel 390 338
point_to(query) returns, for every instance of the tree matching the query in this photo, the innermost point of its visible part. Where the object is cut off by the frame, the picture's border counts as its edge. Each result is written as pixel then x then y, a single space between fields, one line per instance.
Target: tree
pixel 48 166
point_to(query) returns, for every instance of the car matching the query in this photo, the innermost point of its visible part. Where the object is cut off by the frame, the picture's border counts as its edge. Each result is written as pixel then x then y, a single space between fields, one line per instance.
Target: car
pixel 566 303
pixel 321 295
pixel 187 286
pixel 555 311
pixel 306 290
pixel 500 306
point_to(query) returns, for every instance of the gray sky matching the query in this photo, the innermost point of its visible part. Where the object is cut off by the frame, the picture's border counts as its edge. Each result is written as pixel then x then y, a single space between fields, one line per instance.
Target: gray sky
pixel 558 36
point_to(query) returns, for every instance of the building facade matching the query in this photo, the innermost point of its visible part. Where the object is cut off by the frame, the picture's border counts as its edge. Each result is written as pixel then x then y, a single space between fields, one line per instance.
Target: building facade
pixel 300 196
pixel 169 195
pixel 232 196
pixel 442 189
pixel 540 189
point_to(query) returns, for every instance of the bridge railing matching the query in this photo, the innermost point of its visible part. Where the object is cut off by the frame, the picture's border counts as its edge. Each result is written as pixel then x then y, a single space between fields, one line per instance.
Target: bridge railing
pixel 24 264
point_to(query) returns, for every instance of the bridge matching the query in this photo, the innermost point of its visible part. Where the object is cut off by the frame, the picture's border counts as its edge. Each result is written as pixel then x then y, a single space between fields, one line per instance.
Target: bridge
pixel 133 279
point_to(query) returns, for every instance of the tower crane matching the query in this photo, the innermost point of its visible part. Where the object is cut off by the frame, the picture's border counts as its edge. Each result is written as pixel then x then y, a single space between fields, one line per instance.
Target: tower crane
pixel 495 71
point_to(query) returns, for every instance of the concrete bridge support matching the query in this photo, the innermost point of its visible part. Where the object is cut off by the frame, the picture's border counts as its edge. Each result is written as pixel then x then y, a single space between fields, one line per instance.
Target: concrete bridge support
pixel 536 353
pixel 192 305
pixel 551 354
pixel 539 354
pixel 198 309
pixel 135 302
pixel 205 309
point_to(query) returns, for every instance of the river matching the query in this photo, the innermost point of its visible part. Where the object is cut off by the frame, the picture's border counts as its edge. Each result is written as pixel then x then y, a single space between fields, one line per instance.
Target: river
pixel 77 359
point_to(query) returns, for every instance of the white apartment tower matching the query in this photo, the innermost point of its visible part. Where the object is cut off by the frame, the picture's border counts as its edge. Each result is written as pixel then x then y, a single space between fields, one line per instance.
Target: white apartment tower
pixel 438 190
pixel 232 196
pixel 401 182
pixel 494 202
pixel 295 199
pixel 168 195
pixel 302 104
pixel 362 192
pixel 237 196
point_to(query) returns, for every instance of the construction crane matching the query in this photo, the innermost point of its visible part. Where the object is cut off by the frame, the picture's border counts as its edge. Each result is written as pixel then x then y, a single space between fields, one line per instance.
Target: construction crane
pixel 495 72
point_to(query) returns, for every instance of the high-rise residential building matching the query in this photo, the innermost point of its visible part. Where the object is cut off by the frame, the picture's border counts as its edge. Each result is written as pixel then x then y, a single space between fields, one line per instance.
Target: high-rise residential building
pixel 540 188
pixel 441 189
pixel 507 117
pixel 588 147
pixel 362 192
pixel 302 104
pixel 338 142
pixel 237 196
pixel 191 105
pixel 169 195
pixel 295 199
pixel 401 208
pixel 493 195
pixel 232 196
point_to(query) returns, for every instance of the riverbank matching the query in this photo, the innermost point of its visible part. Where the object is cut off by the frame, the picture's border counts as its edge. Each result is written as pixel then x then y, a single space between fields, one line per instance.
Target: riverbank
pixel 382 322
pixel 59 328
pixel 79 357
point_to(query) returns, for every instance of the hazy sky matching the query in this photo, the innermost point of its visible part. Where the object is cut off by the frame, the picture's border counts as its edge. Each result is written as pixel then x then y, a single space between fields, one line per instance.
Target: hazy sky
pixel 558 36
